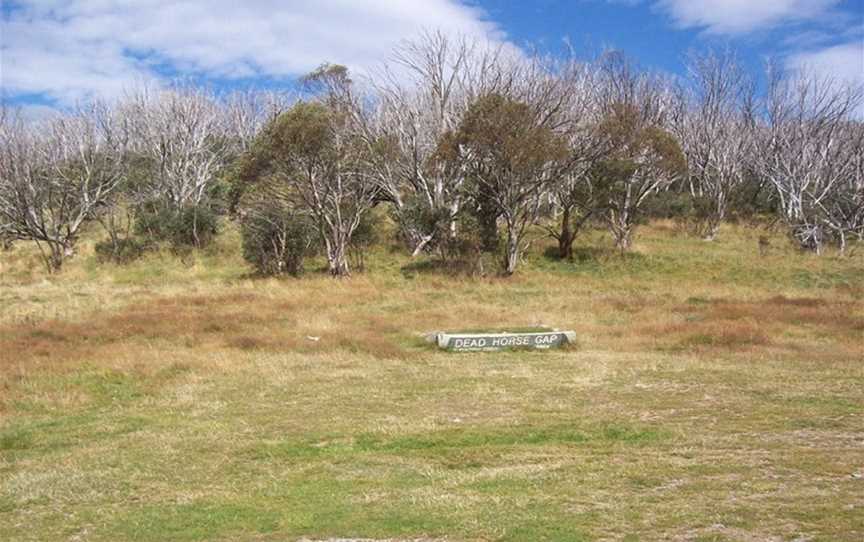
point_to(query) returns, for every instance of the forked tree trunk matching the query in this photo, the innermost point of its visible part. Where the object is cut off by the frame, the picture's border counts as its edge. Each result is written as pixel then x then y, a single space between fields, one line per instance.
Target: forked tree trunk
pixel 712 223
pixel 55 255
pixel 337 258
pixel 623 239
pixel 711 229
pixel 622 231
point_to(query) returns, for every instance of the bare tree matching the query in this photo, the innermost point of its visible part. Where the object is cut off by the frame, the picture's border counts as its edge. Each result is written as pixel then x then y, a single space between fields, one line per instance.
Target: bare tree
pixel 572 192
pixel 843 209
pixel 714 128
pixel 183 133
pixel 247 112
pixel 54 181
pixel 8 124
pixel 806 153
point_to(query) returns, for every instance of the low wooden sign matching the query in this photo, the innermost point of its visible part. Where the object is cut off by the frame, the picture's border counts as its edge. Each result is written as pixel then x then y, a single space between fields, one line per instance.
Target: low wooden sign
pixel 467 342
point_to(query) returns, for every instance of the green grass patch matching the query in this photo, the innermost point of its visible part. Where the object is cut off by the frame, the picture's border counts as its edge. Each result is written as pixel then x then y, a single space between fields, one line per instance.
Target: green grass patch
pixel 200 520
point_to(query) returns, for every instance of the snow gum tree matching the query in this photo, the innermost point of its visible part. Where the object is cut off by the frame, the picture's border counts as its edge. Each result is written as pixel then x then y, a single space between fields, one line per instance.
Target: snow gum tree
pixel 310 158
pixel 511 157
pixel 641 157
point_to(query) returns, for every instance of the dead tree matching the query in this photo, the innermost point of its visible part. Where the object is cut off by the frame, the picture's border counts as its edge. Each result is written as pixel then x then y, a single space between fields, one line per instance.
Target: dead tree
pixel 806 152
pixel 715 131
pixel 55 179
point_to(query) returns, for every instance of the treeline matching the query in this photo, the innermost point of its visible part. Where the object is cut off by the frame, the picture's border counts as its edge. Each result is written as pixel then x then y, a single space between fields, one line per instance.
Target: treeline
pixel 467 146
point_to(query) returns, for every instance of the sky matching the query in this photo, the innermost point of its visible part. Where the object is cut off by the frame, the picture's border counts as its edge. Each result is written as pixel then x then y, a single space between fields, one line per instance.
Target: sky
pixel 55 53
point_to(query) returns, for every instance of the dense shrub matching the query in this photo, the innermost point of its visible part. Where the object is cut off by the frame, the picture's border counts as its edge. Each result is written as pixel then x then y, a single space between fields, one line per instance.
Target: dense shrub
pixel 121 251
pixel 669 205
pixel 188 227
pixel 367 233
pixel 418 222
pixel 464 251
pixel 277 240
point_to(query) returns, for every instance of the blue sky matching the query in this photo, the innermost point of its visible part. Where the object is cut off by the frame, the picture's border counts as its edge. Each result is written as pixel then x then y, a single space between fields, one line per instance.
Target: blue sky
pixel 54 53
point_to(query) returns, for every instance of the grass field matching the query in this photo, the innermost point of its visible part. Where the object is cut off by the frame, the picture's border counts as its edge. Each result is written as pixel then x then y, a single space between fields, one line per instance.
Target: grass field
pixel 714 395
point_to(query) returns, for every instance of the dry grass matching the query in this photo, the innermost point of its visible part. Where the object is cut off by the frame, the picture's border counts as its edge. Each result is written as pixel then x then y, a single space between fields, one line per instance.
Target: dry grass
pixel 714 395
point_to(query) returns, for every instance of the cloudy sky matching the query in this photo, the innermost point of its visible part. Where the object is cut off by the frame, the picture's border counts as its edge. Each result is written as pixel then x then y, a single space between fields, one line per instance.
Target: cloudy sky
pixel 56 52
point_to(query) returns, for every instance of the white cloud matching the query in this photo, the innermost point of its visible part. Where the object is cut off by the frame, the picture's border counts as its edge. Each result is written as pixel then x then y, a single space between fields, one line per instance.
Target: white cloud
pixel 843 63
pixel 741 16
pixel 75 49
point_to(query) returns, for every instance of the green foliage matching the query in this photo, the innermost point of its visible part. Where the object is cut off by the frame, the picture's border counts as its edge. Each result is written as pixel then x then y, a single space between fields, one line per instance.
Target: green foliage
pixel 671 205
pixel 751 200
pixel 609 176
pixel 506 136
pixel 304 132
pixel 367 234
pixel 418 219
pixel 121 251
pixel 276 240
pixel 188 227
pixel 466 250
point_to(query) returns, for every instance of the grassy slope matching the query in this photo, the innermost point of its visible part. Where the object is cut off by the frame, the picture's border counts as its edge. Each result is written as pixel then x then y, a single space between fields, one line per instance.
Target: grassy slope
pixel 715 395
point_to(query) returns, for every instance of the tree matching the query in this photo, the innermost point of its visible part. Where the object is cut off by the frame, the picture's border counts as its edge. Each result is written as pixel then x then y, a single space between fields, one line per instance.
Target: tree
pixel 276 238
pixel 423 95
pixel 808 151
pixel 641 157
pixel 715 130
pixel 181 135
pixel 54 181
pixel 310 158
pixel 573 192
pixel 510 156
pixel 844 210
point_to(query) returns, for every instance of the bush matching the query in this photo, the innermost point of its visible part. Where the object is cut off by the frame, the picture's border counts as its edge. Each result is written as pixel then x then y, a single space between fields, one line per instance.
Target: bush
pixel 122 251
pixel 464 253
pixel 6 242
pixel 276 240
pixel 417 220
pixel 365 235
pixel 188 227
pixel 670 205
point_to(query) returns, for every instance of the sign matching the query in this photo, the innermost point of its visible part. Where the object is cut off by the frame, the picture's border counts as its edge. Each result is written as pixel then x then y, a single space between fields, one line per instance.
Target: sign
pixel 468 342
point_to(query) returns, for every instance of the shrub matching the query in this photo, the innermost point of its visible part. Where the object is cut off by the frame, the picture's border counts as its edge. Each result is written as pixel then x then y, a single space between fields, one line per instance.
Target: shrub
pixel 276 240
pixel 465 252
pixel 121 251
pixel 365 235
pixel 671 205
pixel 191 226
pixel 417 220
